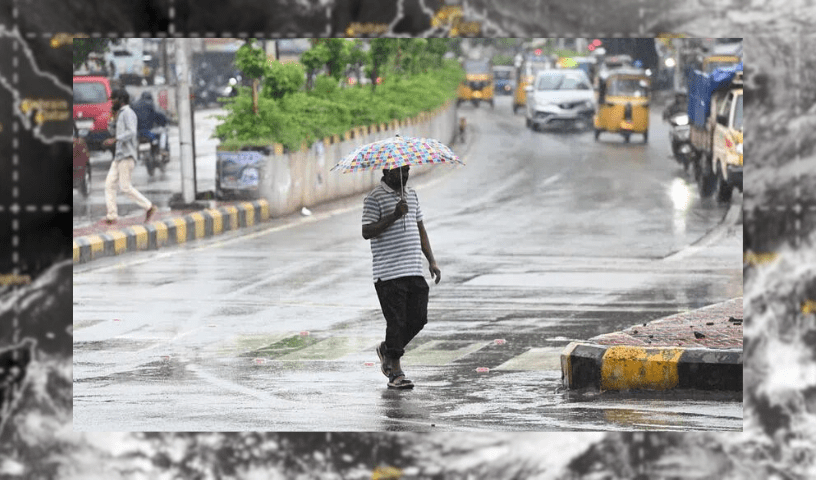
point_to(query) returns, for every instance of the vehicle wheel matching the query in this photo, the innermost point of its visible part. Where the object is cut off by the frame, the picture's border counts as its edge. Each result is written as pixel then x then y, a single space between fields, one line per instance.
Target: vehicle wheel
pixel 150 164
pixel 85 183
pixel 458 102
pixel 515 109
pixel 724 190
pixel 707 181
pixel 645 136
pixel 475 103
pixel 597 134
pixel 626 137
pixel 529 123
pixel 491 104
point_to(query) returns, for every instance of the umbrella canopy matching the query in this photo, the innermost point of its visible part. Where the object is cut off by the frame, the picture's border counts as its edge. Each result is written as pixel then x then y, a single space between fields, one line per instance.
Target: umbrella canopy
pixel 396 152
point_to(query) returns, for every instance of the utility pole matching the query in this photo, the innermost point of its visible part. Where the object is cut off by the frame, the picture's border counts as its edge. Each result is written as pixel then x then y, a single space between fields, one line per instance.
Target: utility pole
pixel 185 123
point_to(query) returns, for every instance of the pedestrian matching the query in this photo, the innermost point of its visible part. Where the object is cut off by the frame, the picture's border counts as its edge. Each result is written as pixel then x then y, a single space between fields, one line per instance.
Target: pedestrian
pixel 398 276
pixel 124 158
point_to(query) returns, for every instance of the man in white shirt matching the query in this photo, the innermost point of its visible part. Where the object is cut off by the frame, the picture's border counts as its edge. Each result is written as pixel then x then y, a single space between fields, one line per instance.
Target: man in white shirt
pixel 124 159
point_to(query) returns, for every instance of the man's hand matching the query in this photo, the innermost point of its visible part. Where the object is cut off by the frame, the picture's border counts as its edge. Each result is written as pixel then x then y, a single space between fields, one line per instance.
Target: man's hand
pixel 109 142
pixel 401 209
pixel 435 273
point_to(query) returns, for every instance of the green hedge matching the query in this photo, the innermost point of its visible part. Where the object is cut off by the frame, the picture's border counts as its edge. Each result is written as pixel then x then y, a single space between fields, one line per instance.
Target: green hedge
pixel 310 116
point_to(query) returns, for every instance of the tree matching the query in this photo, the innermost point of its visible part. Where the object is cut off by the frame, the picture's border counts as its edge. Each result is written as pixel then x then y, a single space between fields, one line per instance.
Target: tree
pixel 314 59
pixel 252 62
pixel 357 58
pixel 337 51
pixel 381 51
pixel 282 79
pixel 84 47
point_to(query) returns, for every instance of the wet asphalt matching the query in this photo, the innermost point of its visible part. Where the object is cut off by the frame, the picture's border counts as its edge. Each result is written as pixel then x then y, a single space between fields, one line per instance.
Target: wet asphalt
pixel 542 238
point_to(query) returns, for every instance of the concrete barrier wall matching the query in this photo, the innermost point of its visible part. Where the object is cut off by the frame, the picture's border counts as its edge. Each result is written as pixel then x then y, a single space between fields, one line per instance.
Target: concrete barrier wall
pixel 302 179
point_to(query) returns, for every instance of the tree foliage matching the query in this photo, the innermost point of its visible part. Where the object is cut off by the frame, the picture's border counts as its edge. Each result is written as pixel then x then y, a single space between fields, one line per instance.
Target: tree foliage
pixel 84 47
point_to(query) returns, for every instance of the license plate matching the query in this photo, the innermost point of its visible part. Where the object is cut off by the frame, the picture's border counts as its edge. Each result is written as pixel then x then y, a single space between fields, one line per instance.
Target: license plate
pixel 84 124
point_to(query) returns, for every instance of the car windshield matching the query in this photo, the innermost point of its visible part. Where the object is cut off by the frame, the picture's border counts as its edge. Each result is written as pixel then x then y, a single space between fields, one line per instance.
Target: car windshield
pixel 628 87
pixel 562 82
pixel 477 66
pixel 738 114
pixel 89 93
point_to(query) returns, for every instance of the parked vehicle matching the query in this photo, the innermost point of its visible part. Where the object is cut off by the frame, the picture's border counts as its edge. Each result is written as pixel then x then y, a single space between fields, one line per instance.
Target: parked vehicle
pixel 82 165
pixel 92 109
pixel 560 97
pixel 715 112
pixel 623 103
pixel 478 84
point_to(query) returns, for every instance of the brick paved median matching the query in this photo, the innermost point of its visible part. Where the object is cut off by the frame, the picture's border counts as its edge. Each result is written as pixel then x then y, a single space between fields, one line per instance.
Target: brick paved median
pixel 701 349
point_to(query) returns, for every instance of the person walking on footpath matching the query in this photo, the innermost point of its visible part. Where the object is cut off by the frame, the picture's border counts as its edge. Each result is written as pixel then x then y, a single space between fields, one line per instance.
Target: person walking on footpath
pixel 124 158
pixel 396 247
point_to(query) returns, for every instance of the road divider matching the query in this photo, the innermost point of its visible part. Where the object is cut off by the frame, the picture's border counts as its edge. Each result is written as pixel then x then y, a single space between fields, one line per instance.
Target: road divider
pixel 701 349
pixel 171 231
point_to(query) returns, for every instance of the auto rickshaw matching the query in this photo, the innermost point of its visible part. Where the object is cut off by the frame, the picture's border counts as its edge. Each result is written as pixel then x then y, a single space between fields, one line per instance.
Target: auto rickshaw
pixel 623 103
pixel 478 84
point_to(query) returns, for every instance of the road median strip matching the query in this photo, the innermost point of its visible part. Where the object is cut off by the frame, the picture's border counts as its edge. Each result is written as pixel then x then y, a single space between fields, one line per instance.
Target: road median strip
pixel 701 349
pixel 169 231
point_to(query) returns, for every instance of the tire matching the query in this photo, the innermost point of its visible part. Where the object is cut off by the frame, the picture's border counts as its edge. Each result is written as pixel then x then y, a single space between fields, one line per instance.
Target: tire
pixel 529 123
pixel 491 104
pixel 475 103
pixel 724 190
pixel 458 102
pixel 85 182
pixel 597 134
pixel 515 109
pixel 645 136
pixel 150 164
pixel 707 181
pixel 626 137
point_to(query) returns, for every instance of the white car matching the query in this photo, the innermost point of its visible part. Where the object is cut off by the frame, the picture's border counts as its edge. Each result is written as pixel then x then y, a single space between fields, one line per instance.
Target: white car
pixel 560 97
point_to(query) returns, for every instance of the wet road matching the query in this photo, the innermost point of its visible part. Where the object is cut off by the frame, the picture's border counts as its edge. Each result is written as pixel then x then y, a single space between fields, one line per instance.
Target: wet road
pixel 542 238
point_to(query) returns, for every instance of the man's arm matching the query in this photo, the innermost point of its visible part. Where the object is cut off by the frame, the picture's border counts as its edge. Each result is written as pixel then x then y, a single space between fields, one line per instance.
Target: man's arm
pixel 426 250
pixel 375 229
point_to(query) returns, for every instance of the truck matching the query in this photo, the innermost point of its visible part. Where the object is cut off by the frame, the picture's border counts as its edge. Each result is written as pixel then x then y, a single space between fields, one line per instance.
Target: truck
pixel 716 130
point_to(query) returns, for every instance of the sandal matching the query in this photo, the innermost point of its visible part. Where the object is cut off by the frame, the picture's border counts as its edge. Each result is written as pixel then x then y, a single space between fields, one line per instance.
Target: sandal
pixel 398 380
pixel 385 370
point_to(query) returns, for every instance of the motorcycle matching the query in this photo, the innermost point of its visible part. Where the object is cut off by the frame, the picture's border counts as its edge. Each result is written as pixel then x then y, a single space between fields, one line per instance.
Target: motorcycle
pixel 680 138
pixel 151 151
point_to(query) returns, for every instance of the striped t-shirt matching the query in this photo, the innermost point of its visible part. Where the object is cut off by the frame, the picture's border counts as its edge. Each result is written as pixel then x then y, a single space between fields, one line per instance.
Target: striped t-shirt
pixel 396 252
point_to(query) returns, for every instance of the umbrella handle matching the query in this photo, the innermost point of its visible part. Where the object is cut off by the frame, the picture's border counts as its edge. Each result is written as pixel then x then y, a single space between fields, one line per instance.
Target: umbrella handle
pixel 402 197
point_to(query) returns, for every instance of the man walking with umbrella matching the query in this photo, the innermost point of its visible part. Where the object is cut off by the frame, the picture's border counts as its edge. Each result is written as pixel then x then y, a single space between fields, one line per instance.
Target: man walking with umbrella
pixel 398 273
pixel 398 249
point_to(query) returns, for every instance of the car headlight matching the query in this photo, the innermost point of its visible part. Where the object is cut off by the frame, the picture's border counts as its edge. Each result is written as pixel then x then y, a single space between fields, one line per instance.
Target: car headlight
pixel 739 148
pixel 589 104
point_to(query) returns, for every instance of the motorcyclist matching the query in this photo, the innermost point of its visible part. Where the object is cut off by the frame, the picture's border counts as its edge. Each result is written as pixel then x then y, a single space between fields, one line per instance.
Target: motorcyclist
pixel 148 117
pixel 680 105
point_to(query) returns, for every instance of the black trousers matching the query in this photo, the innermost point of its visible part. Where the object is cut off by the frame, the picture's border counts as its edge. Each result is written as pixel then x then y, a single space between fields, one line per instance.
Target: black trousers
pixel 404 303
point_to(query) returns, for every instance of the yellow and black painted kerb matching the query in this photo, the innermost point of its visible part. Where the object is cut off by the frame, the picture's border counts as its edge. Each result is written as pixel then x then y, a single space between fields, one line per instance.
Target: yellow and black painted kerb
pixel 620 367
pixel 174 231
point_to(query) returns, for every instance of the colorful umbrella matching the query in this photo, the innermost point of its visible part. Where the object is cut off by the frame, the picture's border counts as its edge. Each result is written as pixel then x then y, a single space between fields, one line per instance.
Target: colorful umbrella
pixel 396 152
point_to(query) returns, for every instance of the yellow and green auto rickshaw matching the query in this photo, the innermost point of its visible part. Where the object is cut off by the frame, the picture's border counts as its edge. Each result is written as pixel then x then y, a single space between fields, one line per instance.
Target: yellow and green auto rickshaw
pixel 478 84
pixel 525 76
pixel 623 103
